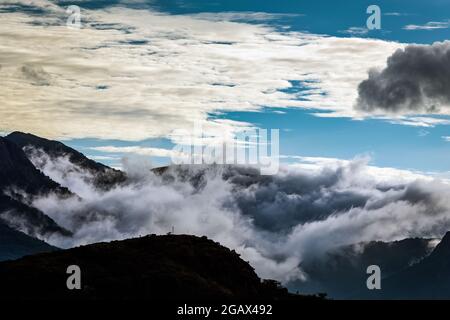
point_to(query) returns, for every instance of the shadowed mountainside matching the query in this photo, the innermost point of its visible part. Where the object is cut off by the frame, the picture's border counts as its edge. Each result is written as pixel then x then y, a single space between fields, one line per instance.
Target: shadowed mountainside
pixel 19 179
pixel 104 177
pixel 342 272
pixel 17 171
pixel 428 279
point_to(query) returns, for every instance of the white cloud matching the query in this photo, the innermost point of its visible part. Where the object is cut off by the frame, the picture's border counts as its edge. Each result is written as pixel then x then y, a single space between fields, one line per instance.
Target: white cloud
pixel 243 16
pixel 101 158
pixel 379 174
pixel 446 138
pixel 144 151
pixel 432 25
pixel 396 14
pixel 418 121
pixel 356 31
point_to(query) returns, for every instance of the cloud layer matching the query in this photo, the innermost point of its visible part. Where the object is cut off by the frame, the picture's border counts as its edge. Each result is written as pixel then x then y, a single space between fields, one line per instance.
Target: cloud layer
pixel 274 222
pixel 416 80
pixel 134 74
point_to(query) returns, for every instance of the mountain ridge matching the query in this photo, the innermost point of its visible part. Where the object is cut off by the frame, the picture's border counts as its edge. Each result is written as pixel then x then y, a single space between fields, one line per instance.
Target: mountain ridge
pixel 19 181
pixel 16 170
pixel 104 176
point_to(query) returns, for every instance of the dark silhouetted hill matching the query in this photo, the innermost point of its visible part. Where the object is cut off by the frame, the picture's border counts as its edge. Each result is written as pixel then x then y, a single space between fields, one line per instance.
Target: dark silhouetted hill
pixel 153 267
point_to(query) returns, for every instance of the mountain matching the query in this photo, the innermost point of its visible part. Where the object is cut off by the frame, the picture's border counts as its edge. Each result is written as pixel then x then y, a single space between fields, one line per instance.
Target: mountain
pixel 428 279
pixel 17 171
pixel 28 219
pixel 341 272
pixel 15 244
pixel 19 179
pixel 174 267
pixel 104 177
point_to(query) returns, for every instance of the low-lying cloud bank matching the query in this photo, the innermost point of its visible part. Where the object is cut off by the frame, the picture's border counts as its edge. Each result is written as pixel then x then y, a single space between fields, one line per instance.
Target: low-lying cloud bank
pixel 274 222
pixel 415 80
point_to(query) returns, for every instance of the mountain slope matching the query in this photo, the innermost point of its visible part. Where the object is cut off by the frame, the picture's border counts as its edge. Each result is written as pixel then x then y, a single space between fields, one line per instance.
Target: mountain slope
pixel 104 176
pixel 19 179
pixel 158 267
pixel 17 171
pixel 28 219
pixel 428 279
pixel 342 271
pixel 15 244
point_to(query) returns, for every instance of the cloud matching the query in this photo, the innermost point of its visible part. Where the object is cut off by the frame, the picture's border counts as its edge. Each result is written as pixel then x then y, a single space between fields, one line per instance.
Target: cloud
pixel 356 31
pixel 446 138
pixel 101 158
pixel 244 16
pixel 416 80
pixel 36 75
pixel 274 222
pixel 145 151
pixel 168 74
pixel 396 14
pixel 432 25
pixel 45 5
pixel 417 121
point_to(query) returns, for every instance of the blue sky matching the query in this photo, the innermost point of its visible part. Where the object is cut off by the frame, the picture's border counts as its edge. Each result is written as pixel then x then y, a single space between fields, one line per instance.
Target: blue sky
pixel 321 16
pixel 303 133
pixel 393 145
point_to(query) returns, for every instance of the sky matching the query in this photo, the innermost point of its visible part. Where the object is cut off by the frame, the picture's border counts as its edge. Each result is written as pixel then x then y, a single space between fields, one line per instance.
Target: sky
pixel 136 71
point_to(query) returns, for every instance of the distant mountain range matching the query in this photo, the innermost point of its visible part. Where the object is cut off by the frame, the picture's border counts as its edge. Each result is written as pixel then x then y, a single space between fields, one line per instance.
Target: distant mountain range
pixel 411 268
pixel 427 279
pixel 341 273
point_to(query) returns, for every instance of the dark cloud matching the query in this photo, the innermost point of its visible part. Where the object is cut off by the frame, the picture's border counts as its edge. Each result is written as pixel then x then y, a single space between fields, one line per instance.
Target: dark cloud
pixel 279 203
pixel 416 80
pixel 36 75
